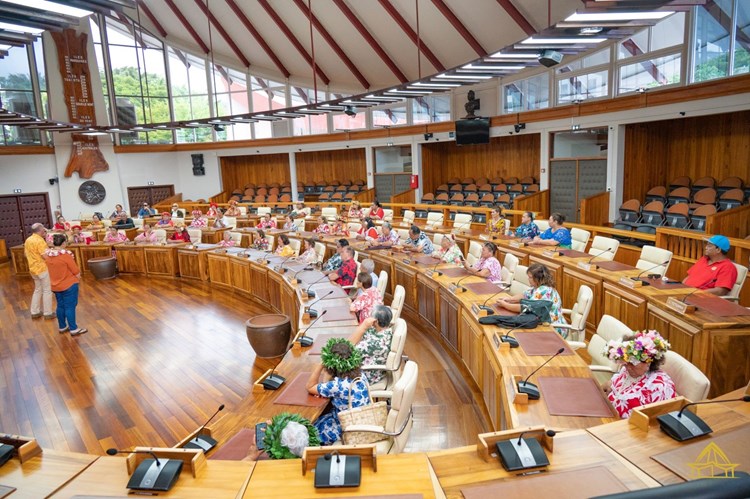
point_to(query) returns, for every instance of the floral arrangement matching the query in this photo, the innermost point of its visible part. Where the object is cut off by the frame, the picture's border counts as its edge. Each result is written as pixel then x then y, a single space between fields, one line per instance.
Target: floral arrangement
pixel 336 362
pixel 288 435
pixel 647 346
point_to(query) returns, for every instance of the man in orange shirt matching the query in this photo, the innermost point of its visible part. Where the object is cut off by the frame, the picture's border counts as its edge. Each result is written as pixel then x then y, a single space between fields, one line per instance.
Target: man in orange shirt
pixel 34 248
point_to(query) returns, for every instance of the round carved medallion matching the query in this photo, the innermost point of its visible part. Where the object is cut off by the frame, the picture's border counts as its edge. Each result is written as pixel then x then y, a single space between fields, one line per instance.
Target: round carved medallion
pixel 92 192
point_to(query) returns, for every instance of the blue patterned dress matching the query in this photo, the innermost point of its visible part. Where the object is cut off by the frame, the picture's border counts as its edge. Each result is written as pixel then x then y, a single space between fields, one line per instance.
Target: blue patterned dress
pixel 328 425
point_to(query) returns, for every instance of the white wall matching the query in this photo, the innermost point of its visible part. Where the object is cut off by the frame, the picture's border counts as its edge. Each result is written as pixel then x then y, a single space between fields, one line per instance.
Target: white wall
pixel 31 174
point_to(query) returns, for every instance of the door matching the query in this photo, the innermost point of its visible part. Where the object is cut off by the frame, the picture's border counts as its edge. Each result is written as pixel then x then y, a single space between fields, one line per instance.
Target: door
pixel 150 194
pixel 573 180
pixel 19 212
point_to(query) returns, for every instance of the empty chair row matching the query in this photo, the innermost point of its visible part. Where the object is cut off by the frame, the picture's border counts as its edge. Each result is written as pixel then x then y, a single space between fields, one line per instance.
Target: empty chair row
pixel 652 215
pixel 495 180
pixel 726 184
pixel 727 200
pixel 485 188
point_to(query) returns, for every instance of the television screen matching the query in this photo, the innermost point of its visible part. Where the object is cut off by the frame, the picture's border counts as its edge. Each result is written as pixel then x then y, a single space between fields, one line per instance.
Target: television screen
pixel 476 131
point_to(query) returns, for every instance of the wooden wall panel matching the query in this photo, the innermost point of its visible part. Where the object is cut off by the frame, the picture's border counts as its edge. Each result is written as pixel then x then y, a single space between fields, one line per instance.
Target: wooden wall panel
pixel 513 156
pixel 236 171
pixel 716 146
pixel 338 164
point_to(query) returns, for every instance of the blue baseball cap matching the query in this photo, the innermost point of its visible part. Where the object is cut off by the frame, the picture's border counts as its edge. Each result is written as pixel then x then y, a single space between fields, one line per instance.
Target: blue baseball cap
pixel 720 242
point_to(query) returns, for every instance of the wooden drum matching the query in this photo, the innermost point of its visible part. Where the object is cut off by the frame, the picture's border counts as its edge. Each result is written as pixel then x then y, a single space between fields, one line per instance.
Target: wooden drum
pixel 269 334
pixel 103 267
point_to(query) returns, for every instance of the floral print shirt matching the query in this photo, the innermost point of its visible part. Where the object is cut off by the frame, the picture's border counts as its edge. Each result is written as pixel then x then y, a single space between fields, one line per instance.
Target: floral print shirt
pixel 424 241
pixel 550 294
pixel 339 390
pixel 529 230
pixel 347 273
pixel 375 346
pixel 626 394
pixel 494 267
pixel 392 237
pixel 261 243
pixel 270 224
pixel 199 223
pixel 496 226
pixel 451 255
pixel 561 235
pixel 322 229
pixel 309 256
pixel 227 244
pixel 333 263
pixel 115 238
pixel 365 302
pixel 146 237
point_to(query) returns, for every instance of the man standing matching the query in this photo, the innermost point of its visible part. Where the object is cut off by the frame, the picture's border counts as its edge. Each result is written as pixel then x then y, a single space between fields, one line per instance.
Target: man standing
pixel 34 248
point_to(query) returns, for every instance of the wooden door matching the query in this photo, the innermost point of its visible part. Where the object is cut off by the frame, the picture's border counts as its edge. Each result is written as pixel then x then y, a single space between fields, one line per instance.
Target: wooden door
pixel 151 194
pixel 19 212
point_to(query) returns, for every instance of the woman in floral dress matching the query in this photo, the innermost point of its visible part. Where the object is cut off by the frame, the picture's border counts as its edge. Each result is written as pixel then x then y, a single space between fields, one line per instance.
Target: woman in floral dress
pixel 449 251
pixel 487 266
pixel 373 338
pixel 364 303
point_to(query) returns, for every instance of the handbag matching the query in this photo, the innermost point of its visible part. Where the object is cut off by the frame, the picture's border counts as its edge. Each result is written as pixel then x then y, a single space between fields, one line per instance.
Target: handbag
pixel 373 414
pixel 540 308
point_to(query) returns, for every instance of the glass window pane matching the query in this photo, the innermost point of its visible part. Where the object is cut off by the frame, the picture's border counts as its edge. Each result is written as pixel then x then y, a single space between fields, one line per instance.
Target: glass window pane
pixel 127 139
pixel 390 116
pixel 711 57
pixel 588 86
pixel 431 109
pixel 650 73
pixel 512 97
pixel 635 45
pixel 39 60
pixel 537 92
pixel 197 75
pixel 263 130
pixel 14 70
pixel 741 44
pixel 18 101
pixel 260 101
pixel 178 73
pixel 14 135
pixel 668 32
pixel 152 65
pixel 200 106
pixel 223 105
pixel 94 25
pixel 595 59
pixel 118 33
pixel 125 75
pixel 344 122
pixel 240 131
pixel 157 110
pixel 182 110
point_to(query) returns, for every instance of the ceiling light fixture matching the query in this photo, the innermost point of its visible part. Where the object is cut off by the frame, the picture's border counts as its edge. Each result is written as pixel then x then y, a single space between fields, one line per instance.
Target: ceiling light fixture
pixel 484 67
pixel 21 29
pixel 500 55
pixel 462 77
pixel 52 7
pixel 561 41
pixel 618 16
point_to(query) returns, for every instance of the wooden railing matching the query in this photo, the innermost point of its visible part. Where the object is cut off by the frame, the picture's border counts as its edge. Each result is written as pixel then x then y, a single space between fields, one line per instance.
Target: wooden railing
pixel 222 197
pixel 595 209
pixel 405 197
pixel 730 223
pixel 537 202
pixel 365 197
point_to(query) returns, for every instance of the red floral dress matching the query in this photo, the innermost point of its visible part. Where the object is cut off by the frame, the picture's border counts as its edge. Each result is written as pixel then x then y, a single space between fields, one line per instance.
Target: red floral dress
pixel 626 394
pixel 322 229
pixel 365 302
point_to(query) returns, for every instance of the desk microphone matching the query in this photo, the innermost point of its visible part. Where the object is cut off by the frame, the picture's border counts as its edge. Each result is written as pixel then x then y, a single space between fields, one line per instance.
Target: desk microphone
pixel 712 281
pixel 522 453
pixel 281 268
pixel 461 227
pixel 638 277
pixel 484 306
pixel 263 258
pixel 458 283
pixel 510 340
pixel 274 380
pixel 294 277
pixel 685 425
pixel 531 389
pixel 311 294
pixel 313 313
pixel 306 341
pixel 435 270
pixel 598 255
pixel 152 474
pixel 203 442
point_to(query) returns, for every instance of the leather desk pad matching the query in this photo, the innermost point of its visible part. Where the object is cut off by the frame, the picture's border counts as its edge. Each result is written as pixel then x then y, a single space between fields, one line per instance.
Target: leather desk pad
pixel 455 272
pixel 483 288
pixel 542 343
pixel 296 394
pixel 574 397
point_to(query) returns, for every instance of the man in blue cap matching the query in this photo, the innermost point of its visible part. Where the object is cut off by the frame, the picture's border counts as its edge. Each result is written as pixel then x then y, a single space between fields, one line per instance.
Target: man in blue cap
pixel 714 272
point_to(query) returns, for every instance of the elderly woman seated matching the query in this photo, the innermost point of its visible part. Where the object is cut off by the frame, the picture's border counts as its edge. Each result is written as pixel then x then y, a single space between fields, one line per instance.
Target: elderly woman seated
pixel 227 241
pixel 147 236
pixel 373 339
pixel 114 236
pixel 449 251
pixel 365 302
pixel 309 256
pixel 487 266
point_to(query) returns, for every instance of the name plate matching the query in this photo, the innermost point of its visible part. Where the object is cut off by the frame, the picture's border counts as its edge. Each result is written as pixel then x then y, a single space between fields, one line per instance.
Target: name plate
pixel 630 283
pixel 475 308
pixel 288 278
pixel 452 288
pixel 407 261
pixel 516 244
pixel 680 306
pixel 496 340
pixel 430 274
pixel 587 266
pixel 484 237
pixel 550 253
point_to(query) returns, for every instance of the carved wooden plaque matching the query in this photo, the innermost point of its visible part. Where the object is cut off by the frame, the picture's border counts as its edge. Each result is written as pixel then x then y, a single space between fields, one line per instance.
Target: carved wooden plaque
pixel 85 158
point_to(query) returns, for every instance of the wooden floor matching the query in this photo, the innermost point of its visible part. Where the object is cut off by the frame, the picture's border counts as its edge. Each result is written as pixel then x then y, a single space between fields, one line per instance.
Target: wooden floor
pixel 159 358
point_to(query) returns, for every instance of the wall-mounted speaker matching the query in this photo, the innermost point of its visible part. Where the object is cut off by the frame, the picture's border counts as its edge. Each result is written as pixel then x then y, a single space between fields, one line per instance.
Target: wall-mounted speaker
pixel 198 168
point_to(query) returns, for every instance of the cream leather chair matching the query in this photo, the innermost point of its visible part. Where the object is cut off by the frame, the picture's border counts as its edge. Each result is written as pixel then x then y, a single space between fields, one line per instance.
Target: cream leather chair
pixel 243 210
pixel 397 304
pixel 689 381
pixel 138 223
pixel 177 220
pixel 475 252
pixel 236 237
pixel 388 215
pixel 520 282
pixel 462 221
pixel 403 234
pixel 576 327
pixel 434 218
pixel 653 260
pixel 394 362
pixel 542 224
pixel 353 227
pixel 161 235
pixel 230 222
pixel 320 251
pixel 609 329
pixel 604 248
pixel 299 224
pixel 196 235
pixel 579 239
pixel 295 244
pixel 437 239
pixel 271 240
pixel 408 217
pixel 734 293
pixel 400 418
pixel 329 212
pixel 510 263
pixel 107 223
pixel 262 210
pixel 382 283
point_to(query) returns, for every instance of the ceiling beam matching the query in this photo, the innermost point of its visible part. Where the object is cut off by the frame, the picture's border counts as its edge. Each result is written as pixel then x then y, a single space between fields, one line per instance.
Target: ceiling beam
pixel 412 34
pixel 516 15
pixel 371 40
pixel 293 40
pixel 142 5
pixel 302 94
pixel 458 25
pixel 249 26
pixel 212 19
pixel 332 43
pixel 187 26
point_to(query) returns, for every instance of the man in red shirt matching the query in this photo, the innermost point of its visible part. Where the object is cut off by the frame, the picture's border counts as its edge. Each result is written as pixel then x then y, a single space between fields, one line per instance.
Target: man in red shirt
pixel 714 272
pixel 345 274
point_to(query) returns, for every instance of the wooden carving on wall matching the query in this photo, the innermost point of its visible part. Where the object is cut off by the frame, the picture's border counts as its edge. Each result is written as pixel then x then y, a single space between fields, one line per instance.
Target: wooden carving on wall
pixel 85 158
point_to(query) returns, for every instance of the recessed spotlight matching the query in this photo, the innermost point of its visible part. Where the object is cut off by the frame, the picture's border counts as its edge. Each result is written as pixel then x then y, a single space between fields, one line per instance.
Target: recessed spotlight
pixel 591 30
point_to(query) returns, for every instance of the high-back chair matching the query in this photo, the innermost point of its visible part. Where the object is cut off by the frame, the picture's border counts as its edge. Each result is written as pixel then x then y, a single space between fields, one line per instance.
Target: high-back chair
pixel 236 237
pixel 462 221
pixel 575 330
pixel 609 329
pixel 408 217
pixel 137 223
pixel 353 227
pixel 437 238
pixel 579 239
pixel 434 218
pixel 230 222
pixel 320 251
pixel 388 215
pixel 403 234
pixel 394 362
pixel 510 264
pixel 542 224
pixel 299 224
pixel 397 304
pixel 520 282
pixel 604 248
pixel 734 293
pixel 329 212
pixel 382 283
pixel 400 418
pixel 196 235
pixel 161 235
pixel 688 380
pixel 654 260
pixel 475 252
pixel 262 210
pixel 295 244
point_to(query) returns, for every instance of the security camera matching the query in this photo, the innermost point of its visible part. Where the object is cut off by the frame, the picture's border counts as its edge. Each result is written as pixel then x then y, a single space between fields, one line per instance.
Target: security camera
pixel 519 126
pixel 427 136
pixel 53 180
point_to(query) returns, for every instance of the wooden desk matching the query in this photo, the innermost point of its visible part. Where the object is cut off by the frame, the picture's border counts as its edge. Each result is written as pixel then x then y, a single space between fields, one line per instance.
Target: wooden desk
pixel 461 467
pixel 401 473
pixel 109 476
pixel 42 475
pixel 20 265
pixel 84 252
pixel 155 260
pixel 637 446
pixel 193 261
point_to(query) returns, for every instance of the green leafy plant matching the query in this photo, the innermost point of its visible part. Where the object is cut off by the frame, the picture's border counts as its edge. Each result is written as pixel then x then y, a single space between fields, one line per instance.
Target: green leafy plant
pixel 272 439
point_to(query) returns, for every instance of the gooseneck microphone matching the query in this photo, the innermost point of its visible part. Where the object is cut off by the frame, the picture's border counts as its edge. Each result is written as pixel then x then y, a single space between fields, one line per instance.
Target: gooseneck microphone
pixel 709 283
pixel 313 284
pixel 114 452
pixel 638 277
pixel 746 398
pixel 281 268
pixel 458 283
pixel 263 258
pixel 685 425
pixel 274 380
pixel 484 306
pixel 312 312
pixel 294 276
pixel 598 255
pixel 204 442
pixel 306 341
pixel 152 474
pixel 531 389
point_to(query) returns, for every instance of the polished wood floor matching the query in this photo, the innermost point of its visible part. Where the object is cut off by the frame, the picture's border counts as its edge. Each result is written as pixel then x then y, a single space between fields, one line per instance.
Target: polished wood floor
pixel 159 358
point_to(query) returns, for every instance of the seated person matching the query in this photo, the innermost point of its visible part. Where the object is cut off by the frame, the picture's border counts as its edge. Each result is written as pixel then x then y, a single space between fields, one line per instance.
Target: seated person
pixel 556 235
pixel 213 211
pixel 218 223
pixel 347 272
pixel 124 222
pixel 165 220
pixel 61 224
pixel 233 210
pixel 373 339
pixel 542 288
pixel 96 223
pixel 147 236
pixel 714 272
pixel 418 241
pixel 300 210
pixel 180 235
pixel 267 222
pixel 368 265
pixel 284 249
pixel 368 232
pixel 528 230
pixel 355 210
pixel 388 237
pixel 199 220
pixel 323 228
pixel 309 256
pixel 496 224
pixel 114 236
pixel 116 214
pixel 334 263
pixel 289 223
pixel 639 380
pixel 341 362
pixel 376 211
pixel 339 228
pixel 227 241
pixel 146 211
pixel 364 303
pixel 177 212
pixel 77 238
pixel 260 241
pixel 487 266
pixel 449 251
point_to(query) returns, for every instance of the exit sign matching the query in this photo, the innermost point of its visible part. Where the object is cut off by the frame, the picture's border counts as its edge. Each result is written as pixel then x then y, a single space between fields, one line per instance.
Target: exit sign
pixel 17 191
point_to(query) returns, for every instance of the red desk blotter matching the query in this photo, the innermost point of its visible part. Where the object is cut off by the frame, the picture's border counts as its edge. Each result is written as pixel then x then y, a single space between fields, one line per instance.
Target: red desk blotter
pixel 574 397
pixel 717 306
pixel 614 266
pixel 296 393
pixel 322 339
pixel 546 343
pixel 571 253
pixel 455 272
pixel 483 288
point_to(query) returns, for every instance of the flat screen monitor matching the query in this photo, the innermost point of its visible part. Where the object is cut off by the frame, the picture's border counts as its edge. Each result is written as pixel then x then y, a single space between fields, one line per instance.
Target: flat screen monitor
pixel 476 131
